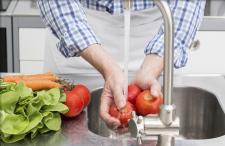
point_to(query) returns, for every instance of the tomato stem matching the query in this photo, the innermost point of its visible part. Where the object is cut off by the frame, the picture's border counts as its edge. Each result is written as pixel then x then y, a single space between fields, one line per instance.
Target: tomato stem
pixel 149 98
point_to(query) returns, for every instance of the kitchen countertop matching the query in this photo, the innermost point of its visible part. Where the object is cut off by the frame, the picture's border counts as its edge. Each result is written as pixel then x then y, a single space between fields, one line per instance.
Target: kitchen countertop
pixel 75 131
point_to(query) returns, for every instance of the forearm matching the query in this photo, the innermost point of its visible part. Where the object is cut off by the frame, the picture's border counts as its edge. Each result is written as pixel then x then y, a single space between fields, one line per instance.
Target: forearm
pixel 98 58
pixel 187 18
pixel 69 24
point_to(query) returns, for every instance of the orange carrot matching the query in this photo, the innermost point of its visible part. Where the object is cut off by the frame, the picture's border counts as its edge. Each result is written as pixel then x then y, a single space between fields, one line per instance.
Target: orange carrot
pixel 40 84
pixel 51 78
pixel 48 76
pixel 11 78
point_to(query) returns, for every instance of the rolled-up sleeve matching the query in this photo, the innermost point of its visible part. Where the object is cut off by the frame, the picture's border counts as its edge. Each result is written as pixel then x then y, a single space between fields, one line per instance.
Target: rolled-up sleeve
pixel 68 23
pixel 187 16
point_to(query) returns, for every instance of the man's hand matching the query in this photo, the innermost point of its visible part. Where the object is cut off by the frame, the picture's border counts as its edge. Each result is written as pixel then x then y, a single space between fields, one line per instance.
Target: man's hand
pixel 113 92
pixel 114 88
pixel 148 74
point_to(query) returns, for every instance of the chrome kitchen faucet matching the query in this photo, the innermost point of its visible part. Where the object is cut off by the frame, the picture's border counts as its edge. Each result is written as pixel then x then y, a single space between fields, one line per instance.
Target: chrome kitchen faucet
pixel 167 124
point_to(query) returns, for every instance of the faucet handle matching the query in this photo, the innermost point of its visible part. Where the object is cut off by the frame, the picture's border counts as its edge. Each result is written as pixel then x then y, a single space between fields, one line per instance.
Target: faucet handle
pixel 136 127
pixel 167 114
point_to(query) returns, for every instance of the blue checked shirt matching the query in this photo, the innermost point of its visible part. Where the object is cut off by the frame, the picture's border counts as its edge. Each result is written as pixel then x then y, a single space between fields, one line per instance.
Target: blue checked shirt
pixel 68 22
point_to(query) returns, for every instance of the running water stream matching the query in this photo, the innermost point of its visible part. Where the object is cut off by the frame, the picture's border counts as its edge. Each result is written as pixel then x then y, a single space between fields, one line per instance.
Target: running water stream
pixel 127 15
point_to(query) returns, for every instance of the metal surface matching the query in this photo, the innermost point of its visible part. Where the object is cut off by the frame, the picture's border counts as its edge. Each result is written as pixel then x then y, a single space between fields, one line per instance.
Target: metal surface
pixel 198 98
pixel 136 127
pixel 164 123
pixel 201 116
pixel 154 126
pixel 168 49
pixel 167 114
pixel 166 140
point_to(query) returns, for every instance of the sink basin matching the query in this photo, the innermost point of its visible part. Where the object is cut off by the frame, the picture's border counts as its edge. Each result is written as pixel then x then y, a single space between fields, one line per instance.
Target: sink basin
pixel 201 116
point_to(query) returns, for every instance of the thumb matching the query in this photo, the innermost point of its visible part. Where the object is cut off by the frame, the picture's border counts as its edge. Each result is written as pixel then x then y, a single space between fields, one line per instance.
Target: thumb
pixel 156 89
pixel 119 97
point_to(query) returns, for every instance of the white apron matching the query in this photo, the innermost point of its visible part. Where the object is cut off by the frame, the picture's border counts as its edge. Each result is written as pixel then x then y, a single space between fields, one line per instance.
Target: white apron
pixel 110 30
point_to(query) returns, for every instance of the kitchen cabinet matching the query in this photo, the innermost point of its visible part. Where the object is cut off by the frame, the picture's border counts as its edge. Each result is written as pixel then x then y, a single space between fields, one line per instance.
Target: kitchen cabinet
pixel 31 43
pixel 31 67
pixel 31 49
pixel 28 38
pixel 209 56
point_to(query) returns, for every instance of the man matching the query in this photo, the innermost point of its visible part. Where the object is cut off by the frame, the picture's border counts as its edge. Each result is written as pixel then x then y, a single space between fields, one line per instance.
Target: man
pixel 78 23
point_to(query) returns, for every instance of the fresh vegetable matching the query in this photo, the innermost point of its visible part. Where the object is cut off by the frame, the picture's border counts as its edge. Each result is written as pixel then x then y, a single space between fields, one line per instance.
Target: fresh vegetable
pixel 133 92
pixel 83 92
pixel 24 112
pixel 47 76
pixel 35 81
pixel 147 104
pixel 39 84
pixel 123 115
pixel 77 99
pixel 75 103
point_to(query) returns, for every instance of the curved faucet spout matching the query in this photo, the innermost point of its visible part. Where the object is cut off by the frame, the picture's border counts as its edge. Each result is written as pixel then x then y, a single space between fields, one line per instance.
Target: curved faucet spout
pixel 168 50
pixel 167 124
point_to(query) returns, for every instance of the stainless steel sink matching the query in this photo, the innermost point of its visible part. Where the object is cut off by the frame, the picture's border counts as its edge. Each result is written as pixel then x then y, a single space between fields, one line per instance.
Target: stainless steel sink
pixel 201 116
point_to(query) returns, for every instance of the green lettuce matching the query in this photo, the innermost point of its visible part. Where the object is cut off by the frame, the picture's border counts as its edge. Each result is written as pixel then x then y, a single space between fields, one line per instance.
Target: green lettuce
pixel 24 112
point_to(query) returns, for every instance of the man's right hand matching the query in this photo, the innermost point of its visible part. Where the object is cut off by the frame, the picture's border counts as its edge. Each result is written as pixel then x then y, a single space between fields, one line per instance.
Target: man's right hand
pixel 113 92
pixel 114 87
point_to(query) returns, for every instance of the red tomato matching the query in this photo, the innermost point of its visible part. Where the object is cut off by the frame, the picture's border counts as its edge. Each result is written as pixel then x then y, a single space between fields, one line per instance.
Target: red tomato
pixel 75 104
pixel 147 104
pixel 83 92
pixel 133 92
pixel 123 115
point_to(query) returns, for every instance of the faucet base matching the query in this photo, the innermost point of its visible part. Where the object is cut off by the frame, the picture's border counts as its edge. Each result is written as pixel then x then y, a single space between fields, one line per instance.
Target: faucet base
pixel 152 125
pixel 166 140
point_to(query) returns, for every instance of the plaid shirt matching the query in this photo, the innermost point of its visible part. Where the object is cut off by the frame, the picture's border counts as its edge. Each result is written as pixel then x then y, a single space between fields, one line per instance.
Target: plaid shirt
pixel 68 22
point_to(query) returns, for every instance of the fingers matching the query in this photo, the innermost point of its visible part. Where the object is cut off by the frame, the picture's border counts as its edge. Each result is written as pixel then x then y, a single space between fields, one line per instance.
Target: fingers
pixel 143 84
pixel 119 97
pixel 152 84
pixel 110 121
pixel 106 102
pixel 156 89
pixel 114 92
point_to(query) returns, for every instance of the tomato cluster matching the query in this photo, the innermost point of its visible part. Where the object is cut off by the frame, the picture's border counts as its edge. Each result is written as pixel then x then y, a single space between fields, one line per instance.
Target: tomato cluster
pixel 140 101
pixel 77 99
pixel 123 115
